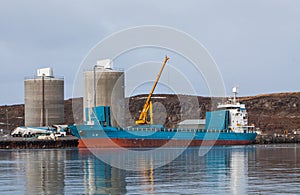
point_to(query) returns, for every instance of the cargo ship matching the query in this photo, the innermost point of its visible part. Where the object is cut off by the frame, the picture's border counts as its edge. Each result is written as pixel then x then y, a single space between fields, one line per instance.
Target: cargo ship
pixel 227 125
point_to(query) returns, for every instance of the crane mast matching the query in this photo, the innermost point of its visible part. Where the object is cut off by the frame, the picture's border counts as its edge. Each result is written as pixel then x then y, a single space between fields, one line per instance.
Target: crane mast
pixel 143 119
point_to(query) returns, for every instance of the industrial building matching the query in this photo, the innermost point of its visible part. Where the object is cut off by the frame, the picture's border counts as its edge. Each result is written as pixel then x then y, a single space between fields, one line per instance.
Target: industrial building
pixel 104 86
pixel 44 99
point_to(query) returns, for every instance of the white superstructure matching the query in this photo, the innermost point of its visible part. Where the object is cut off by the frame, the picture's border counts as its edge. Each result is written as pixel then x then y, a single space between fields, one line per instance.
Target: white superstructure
pixel 238 117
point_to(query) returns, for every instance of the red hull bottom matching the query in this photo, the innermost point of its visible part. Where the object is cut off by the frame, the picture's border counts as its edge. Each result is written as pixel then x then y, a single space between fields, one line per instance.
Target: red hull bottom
pixel 133 143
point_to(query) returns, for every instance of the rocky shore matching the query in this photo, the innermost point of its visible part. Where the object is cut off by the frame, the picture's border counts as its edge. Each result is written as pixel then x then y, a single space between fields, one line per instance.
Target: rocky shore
pixel 277 139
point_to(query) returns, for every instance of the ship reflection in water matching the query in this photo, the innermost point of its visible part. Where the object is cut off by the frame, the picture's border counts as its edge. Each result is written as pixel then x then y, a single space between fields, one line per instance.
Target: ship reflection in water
pixel 223 170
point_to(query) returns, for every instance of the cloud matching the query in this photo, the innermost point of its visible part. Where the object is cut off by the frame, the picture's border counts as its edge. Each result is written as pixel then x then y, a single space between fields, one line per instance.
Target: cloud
pixel 260 37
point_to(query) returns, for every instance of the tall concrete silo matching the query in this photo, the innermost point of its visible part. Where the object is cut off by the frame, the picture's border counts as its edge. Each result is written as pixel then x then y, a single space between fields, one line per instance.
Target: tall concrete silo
pixel 104 86
pixel 44 99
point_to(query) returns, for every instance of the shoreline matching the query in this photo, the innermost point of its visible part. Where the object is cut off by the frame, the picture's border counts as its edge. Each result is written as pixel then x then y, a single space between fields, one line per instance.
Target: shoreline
pixel 277 139
pixel 8 142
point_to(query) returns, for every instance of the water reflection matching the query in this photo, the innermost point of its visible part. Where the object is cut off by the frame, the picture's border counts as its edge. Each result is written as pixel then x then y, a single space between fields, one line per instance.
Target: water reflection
pixel 223 170
pixel 100 178
pixel 238 172
pixel 44 171
pixel 58 172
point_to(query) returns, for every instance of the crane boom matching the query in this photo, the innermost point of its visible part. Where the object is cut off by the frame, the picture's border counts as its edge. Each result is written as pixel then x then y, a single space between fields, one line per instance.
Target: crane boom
pixel 148 104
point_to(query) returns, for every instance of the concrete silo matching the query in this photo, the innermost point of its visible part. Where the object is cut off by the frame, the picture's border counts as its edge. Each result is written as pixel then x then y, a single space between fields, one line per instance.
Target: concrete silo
pixel 104 86
pixel 44 99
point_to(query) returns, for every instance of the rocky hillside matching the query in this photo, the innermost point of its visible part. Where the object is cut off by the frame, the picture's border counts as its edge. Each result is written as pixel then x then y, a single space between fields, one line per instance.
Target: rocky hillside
pixel 274 112
pixel 270 112
pixel 11 116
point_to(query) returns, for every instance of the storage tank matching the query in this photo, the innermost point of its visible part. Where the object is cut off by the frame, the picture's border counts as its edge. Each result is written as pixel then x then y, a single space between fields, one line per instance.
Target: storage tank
pixel 44 99
pixel 104 86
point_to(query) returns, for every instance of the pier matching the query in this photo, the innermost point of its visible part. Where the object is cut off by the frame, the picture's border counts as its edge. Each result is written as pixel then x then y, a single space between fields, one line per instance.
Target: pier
pixel 9 142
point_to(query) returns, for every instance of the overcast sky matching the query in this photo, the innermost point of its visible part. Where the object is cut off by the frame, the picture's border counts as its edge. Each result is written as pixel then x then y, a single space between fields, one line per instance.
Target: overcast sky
pixel 255 43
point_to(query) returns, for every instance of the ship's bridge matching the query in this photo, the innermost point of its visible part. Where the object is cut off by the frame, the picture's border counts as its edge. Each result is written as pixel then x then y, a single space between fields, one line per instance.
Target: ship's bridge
pixel 231 106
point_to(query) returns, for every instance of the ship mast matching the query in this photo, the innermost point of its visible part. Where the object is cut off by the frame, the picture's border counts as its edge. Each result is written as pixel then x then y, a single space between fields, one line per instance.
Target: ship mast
pixel 234 91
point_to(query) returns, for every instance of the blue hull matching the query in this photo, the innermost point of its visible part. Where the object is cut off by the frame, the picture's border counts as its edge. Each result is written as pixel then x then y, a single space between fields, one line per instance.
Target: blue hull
pixel 97 136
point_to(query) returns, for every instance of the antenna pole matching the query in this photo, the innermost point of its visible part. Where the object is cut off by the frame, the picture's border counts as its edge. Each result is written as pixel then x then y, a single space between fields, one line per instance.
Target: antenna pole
pixel 43 100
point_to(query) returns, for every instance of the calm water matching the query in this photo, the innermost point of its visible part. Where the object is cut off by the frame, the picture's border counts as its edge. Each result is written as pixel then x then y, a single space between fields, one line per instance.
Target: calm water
pixel 272 169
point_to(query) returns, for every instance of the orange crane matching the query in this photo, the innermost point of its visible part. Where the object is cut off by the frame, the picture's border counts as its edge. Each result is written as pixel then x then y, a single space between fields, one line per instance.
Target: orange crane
pixel 143 119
